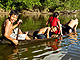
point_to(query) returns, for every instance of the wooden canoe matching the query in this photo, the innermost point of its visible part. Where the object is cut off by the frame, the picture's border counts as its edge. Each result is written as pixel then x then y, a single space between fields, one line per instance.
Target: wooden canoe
pixel 23 42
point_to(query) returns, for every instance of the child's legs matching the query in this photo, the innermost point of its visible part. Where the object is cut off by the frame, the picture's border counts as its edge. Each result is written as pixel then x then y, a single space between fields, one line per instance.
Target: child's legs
pixel 27 37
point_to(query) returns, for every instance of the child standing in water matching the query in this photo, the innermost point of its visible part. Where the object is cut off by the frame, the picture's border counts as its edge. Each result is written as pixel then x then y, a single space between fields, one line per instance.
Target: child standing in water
pixel 70 26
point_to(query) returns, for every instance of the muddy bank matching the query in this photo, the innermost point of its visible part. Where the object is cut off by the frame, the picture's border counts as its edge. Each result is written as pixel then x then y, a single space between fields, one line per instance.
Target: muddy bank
pixel 44 12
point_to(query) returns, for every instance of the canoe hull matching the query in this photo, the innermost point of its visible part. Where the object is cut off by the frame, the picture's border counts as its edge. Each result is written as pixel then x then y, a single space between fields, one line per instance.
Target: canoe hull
pixel 23 42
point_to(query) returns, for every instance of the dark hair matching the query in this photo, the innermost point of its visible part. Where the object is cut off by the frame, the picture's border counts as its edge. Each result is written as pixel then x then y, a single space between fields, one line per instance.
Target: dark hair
pixel 55 14
pixel 15 12
pixel 54 27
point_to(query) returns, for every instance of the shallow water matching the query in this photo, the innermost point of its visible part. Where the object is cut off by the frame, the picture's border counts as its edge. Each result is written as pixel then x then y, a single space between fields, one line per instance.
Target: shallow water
pixel 61 48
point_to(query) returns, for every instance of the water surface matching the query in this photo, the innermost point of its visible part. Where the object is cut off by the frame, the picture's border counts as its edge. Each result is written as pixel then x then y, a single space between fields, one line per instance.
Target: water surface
pixel 61 48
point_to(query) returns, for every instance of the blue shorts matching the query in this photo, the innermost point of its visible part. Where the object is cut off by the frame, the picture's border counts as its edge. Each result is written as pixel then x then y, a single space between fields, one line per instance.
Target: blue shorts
pixel 40 36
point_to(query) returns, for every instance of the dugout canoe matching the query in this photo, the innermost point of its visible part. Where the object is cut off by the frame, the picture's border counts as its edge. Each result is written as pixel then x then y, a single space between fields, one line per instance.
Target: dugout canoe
pixel 23 42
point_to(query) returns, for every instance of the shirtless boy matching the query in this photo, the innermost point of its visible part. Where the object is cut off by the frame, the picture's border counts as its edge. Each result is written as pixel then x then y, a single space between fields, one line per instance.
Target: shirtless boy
pixel 46 32
pixel 68 27
pixel 8 27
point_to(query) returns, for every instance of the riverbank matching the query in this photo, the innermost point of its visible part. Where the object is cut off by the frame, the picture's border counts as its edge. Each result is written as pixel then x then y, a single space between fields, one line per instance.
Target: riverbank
pixel 28 12
pixel 45 12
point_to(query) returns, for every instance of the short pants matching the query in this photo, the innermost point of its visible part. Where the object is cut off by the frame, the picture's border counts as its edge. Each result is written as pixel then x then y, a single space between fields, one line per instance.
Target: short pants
pixel 20 36
pixel 40 36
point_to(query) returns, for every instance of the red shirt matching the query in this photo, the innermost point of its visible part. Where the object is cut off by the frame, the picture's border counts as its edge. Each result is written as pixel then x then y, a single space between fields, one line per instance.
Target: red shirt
pixel 54 22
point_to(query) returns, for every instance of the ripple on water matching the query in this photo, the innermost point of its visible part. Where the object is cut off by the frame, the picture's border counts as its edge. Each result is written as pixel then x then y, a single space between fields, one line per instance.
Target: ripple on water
pixel 24 58
pixel 46 53
pixel 37 51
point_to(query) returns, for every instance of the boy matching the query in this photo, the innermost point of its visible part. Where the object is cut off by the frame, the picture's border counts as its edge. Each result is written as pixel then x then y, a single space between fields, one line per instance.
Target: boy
pixel 68 27
pixel 8 27
pixel 46 32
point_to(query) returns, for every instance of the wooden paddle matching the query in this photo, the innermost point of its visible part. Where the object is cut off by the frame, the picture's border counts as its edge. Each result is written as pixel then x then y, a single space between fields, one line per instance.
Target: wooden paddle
pixel 18 31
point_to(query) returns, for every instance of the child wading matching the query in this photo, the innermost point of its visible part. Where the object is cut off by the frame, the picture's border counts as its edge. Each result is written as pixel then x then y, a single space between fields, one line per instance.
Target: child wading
pixel 70 26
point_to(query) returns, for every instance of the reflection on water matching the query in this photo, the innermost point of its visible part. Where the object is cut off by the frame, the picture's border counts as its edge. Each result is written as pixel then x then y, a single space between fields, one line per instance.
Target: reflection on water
pixel 61 48
pixel 36 51
pixel 69 50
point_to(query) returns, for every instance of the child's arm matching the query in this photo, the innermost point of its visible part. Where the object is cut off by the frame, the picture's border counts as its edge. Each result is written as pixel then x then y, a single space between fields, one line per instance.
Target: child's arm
pixel 75 28
pixel 60 27
pixel 20 21
pixel 14 26
pixel 48 29
pixel 47 23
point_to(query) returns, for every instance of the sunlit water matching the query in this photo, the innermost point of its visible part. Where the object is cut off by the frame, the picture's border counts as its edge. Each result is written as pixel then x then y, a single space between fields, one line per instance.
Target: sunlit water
pixel 61 48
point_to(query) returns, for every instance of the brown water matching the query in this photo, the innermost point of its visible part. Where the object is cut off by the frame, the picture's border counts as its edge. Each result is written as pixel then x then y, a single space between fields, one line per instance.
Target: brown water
pixel 61 48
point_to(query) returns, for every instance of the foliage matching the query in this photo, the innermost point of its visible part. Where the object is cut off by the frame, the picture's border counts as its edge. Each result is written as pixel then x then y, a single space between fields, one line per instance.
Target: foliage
pixel 42 4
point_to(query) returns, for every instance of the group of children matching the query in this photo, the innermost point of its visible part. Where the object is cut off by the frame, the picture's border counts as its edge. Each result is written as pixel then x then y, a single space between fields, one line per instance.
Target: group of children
pixel 56 27
pixel 9 30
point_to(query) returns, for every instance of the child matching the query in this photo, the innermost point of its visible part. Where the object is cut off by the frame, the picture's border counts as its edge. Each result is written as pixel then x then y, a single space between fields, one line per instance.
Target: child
pixel 70 26
pixel 54 21
pixel 8 27
pixel 46 32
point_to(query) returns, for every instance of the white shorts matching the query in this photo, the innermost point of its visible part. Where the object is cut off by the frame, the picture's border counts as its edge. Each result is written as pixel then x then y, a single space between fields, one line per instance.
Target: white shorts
pixel 20 36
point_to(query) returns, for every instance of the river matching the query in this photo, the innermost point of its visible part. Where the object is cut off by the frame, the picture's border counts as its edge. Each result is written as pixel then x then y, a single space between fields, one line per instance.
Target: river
pixel 61 48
